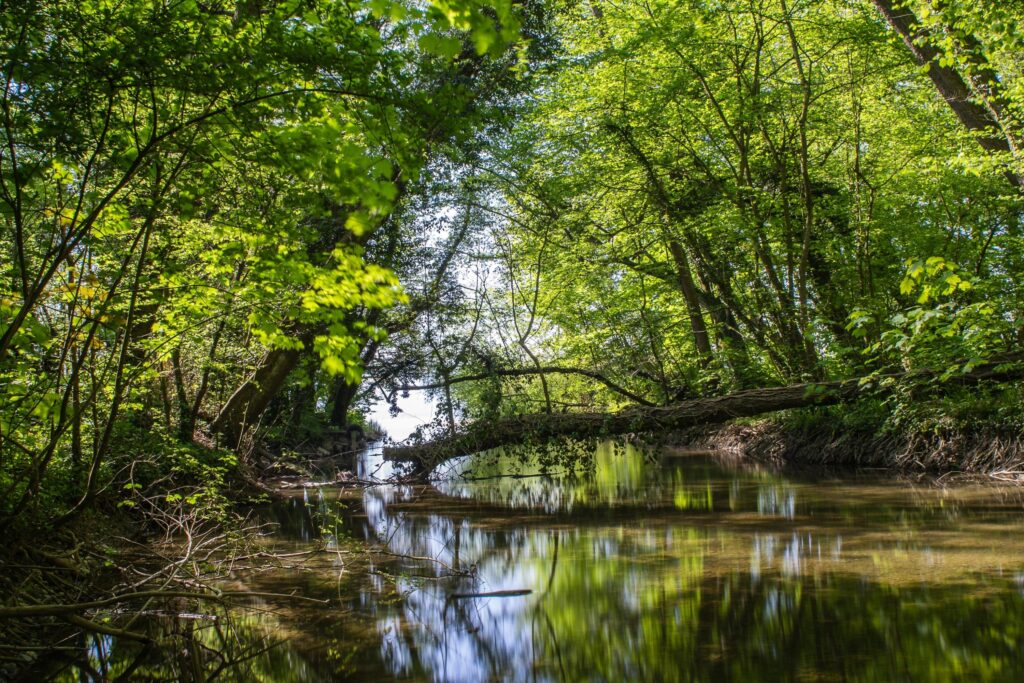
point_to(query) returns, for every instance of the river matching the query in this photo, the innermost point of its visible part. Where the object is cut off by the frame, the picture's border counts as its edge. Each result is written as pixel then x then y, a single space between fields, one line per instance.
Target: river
pixel 651 566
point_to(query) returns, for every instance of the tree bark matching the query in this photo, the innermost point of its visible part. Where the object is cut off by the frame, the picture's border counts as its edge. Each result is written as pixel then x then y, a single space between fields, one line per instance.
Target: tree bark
pixel 344 395
pixel 244 407
pixel 689 290
pixel 186 425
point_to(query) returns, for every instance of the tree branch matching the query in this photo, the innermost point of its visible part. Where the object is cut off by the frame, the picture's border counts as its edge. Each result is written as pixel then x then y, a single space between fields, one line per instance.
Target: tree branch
pixel 540 370
pixel 59 610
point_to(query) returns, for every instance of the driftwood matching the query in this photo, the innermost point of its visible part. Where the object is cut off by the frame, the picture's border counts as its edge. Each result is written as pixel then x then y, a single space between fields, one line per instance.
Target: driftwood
pixel 698 412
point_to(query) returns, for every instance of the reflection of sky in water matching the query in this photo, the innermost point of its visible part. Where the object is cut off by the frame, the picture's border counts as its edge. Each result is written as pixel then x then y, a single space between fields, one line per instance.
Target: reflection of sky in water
pixel 775 501
pixel 98 651
pixel 687 569
pixel 616 576
pixel 456 639
pixel 371 466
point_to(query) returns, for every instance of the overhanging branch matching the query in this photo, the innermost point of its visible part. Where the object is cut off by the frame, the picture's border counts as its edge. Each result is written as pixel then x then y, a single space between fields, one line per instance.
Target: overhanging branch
pixel 523 372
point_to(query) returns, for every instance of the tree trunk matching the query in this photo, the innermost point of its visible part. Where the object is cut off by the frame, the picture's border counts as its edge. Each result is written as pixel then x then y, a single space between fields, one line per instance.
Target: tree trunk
pixel 344 395
pixel 247 404
pixel 950 85
pixel 344 392
pixel 689 290
pixel 705 411
pixel 186 424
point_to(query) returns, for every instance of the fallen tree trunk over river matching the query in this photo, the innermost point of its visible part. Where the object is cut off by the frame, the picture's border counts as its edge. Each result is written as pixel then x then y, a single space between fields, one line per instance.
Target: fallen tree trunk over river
pixel 481 436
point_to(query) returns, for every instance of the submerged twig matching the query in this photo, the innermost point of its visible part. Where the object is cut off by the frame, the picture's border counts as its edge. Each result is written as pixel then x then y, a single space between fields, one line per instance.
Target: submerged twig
pixel 513 593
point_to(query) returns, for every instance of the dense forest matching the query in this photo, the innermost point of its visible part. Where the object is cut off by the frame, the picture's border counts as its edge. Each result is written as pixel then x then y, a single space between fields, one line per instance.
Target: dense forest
pixel 228 225
pixel 230 228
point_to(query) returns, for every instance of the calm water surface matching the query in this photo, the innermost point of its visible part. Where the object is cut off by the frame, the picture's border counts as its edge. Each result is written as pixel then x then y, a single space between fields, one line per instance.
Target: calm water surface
pixel 656 567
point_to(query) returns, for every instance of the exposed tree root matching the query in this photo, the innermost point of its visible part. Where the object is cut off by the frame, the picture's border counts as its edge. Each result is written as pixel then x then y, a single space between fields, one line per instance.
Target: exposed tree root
pixel 949 450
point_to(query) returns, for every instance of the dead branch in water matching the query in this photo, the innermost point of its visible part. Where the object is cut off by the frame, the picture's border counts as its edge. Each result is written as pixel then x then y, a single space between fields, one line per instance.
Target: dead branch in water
pixel 514 593
pixel 62 610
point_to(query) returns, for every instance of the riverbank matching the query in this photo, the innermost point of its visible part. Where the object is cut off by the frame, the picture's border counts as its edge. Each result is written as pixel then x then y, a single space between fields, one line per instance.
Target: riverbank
pixel 119 579
pixel 989 450
pixel 79 564
pixel 163 552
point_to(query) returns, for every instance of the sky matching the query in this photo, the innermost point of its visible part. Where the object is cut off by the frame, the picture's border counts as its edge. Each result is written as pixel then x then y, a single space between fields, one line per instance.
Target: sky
pixel 416 410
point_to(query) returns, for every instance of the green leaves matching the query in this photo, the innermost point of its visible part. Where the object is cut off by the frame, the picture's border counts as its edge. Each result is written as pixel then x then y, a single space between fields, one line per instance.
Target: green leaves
pixel 187 190
pixel 750 179
pixel 934 276
pixel 489 35
pixel 442 46
pixel 944 330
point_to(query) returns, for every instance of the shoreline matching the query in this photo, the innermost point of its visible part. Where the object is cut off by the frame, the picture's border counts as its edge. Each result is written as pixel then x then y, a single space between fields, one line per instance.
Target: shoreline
pixel 986 451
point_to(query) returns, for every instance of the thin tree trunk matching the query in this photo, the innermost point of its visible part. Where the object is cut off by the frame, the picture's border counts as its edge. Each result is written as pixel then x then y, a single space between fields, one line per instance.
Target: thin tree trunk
pixel 690 294
pixel 186 425
pixel 950 85
pixel 204 380
pixel 806 195
pixel 683 272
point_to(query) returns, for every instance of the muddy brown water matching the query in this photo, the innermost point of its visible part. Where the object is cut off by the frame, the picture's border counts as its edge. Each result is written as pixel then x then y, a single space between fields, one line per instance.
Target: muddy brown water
pixel 662 566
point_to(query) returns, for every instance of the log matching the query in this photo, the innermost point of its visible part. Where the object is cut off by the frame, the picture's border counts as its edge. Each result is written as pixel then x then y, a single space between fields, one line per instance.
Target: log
pixel 482 436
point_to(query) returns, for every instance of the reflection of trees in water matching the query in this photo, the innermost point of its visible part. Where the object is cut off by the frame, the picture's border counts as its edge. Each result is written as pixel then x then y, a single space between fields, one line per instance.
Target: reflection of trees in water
pixel 688 571
pixel 735 627
pixel 229 646
pixel 618 602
